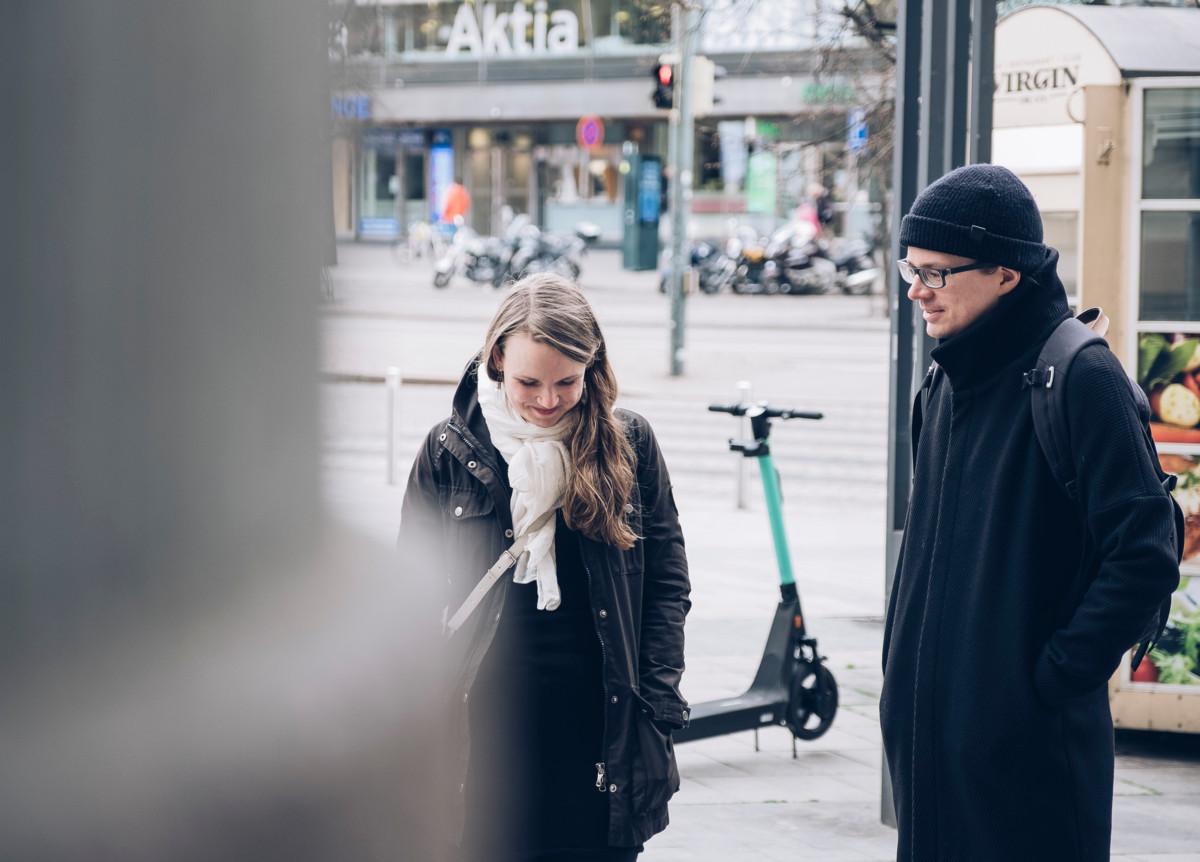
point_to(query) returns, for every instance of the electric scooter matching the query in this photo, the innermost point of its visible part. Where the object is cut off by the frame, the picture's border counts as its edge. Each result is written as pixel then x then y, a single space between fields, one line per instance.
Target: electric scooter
pixel 792 687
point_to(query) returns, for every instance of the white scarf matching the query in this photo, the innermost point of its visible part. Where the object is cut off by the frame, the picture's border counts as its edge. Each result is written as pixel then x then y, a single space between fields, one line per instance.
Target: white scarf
pixel 537 470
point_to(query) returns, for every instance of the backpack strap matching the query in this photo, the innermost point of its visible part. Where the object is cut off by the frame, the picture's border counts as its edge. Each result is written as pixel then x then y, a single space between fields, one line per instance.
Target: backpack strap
pixel 1046 382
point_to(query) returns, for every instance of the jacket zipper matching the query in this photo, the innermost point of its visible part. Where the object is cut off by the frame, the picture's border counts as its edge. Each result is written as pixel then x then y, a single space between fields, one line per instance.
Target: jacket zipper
pixel 600 768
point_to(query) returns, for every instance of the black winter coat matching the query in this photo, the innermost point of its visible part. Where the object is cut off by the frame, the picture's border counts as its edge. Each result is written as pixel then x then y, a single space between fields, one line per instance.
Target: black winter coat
pixel 456 520
pixel 1012 605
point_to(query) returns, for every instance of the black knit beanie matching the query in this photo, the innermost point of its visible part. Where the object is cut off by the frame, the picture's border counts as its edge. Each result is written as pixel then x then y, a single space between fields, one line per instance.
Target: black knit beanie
pixel 979 211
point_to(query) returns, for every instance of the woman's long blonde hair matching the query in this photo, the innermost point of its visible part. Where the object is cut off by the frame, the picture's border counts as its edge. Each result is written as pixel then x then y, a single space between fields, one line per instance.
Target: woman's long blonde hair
pixel 600 477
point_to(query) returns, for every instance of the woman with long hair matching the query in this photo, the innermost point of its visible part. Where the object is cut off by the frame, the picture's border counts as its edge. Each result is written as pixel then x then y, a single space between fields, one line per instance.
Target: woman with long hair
pixel 567 666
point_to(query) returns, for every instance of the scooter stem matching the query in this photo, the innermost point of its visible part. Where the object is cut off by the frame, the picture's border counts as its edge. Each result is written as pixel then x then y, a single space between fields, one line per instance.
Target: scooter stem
pixel 783 557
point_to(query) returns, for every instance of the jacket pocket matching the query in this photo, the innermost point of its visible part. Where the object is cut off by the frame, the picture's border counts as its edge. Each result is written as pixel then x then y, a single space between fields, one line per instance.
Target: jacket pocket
pixel 463 504
pixel 655 772
pixel 473 535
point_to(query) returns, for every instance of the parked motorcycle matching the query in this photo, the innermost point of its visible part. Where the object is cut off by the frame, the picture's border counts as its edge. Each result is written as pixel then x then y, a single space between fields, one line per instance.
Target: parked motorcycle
pixel 786 262
pixel 748 252
pixel 535 250
pixel 715 270
pixel 795 263
pixel 857 271
pixel 478 258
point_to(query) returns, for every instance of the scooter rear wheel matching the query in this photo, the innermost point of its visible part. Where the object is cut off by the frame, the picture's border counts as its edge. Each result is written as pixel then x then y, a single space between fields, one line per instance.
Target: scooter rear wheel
pixel 812 701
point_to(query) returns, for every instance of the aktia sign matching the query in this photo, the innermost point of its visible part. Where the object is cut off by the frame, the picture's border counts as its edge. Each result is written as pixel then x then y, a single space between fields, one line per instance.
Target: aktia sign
pixel 507 34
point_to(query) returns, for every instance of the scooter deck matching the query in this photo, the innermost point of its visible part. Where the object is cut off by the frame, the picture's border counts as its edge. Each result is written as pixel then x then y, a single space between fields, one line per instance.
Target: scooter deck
pixel 755 708
pixel 765 702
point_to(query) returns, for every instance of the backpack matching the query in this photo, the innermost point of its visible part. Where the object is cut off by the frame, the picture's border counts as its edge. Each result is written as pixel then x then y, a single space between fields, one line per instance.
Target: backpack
pixel 1047 392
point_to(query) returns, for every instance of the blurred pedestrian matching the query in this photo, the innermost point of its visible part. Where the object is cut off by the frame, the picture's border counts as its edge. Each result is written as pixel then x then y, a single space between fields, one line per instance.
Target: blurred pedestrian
pixel 458 203
pixel 567 681
pixel 1013 602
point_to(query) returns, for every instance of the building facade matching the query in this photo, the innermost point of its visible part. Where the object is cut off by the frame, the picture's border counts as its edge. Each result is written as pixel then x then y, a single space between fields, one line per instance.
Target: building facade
pixel 532 106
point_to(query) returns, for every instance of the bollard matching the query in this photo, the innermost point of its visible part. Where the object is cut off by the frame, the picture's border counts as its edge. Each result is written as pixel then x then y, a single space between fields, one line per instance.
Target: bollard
pixel 743 397
pixel 393 396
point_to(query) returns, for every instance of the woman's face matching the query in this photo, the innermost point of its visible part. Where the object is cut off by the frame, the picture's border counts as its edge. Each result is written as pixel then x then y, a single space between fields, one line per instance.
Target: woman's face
pixel 542 384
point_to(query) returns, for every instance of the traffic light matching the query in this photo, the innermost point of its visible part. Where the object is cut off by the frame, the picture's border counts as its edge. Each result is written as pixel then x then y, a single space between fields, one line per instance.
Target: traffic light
pixel 664 83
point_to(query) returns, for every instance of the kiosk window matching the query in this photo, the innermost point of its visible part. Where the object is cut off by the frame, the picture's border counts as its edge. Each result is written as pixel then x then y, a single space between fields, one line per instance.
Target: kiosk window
pixel 1171 144
pixel 1062 233
pixel 1170 277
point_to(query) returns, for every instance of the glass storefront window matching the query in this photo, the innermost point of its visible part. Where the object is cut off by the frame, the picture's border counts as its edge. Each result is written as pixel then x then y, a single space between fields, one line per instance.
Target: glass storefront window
pixel 379 183
pixel 619 24
pixel 1171 144
pixel 1170 268
pixel 1061 231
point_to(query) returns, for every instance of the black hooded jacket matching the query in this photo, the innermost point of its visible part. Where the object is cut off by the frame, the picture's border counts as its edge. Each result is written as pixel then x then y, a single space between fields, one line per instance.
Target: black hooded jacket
pixel 456 521
pixel 1012 605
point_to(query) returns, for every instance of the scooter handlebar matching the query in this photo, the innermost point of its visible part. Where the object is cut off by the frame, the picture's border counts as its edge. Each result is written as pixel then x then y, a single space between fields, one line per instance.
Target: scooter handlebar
pixel 770 412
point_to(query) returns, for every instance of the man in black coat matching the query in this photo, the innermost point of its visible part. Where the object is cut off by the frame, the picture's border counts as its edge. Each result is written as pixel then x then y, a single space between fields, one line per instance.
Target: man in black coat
pixel 1012 604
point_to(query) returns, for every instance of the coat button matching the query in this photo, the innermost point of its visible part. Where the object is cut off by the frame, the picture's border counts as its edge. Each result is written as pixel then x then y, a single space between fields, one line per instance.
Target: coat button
pixel 458 511
pixel 441 438
pixel 471 465
pixel 612 788
pixel 603 614
pixel 614 698
pixel 508 534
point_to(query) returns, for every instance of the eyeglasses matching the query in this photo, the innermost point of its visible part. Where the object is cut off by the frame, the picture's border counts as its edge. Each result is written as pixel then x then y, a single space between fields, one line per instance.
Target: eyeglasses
pixel 934 277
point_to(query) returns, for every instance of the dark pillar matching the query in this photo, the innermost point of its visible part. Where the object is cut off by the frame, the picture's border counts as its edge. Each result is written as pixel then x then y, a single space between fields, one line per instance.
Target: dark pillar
pixel 939 99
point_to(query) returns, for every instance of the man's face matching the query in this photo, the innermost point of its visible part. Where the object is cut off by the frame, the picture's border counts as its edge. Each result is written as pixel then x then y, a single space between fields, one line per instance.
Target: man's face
pixel 965 297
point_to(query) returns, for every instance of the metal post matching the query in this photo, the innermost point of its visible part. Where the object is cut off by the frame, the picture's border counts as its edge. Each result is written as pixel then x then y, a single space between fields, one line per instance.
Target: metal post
pixel 933 102
pixel 685 23
pixel 744 395
pixel 904 190
pixel 393 396
pixel 932 89
pixel 958 36
pixel 675 285
pixel 983 71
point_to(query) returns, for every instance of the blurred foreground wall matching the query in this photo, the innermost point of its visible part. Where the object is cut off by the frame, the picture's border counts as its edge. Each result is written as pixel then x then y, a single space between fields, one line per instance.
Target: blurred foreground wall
pixel 194 664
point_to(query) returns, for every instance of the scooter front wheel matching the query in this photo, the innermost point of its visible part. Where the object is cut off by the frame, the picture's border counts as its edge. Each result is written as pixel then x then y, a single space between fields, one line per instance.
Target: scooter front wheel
pixel 812 701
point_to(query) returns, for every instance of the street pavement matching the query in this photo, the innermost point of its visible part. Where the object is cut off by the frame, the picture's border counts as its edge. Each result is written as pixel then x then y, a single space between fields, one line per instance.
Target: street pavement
pixel 818 353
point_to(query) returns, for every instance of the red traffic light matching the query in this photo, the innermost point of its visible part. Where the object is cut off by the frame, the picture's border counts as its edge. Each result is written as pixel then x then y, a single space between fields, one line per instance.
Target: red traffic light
pixel 664 74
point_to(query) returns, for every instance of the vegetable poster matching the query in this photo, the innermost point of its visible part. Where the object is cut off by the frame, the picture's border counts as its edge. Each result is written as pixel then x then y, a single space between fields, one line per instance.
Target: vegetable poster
pixel 1169 372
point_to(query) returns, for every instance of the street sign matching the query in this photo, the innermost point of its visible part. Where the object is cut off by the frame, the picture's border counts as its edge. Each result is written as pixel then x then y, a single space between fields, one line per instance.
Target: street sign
pixel 589 132
pixel 856 122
